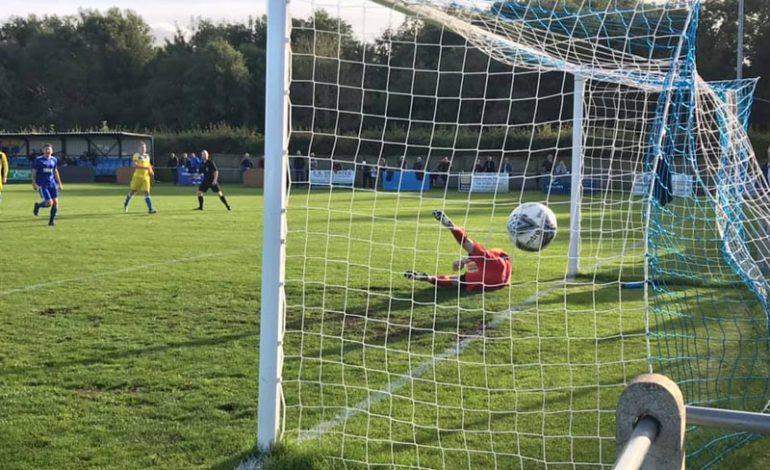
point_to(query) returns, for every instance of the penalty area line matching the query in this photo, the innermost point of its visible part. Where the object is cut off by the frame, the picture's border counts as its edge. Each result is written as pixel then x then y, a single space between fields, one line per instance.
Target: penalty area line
pixel 405 379
pixel 117 271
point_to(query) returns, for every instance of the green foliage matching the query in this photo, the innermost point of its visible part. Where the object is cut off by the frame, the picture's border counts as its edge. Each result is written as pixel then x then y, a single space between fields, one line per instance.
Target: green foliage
pixel 80 70
pixel 219 138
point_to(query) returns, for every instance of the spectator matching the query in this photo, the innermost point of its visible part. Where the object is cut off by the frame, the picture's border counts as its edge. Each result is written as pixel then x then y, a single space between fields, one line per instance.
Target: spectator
pixel 367 180
pixel 336 166
pixel 173 164
pixel 561 169
pixel 382 164
pixel 506 167
pixel 489 166
pixel 191 163
pixel 246 163
pixel 546 169
pixel 547 165
pixel 184 162
pixel 479 167
pixel 418 167
pixel 299 168
pixel 195 163
pixel 313 162
pixel 441 173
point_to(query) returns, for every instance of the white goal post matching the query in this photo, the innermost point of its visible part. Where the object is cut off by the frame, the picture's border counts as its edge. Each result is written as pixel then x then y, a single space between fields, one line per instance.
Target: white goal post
pixel 274 228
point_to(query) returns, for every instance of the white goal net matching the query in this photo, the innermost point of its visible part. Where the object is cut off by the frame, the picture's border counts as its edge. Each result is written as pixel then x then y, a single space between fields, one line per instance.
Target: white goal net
pixel 399 108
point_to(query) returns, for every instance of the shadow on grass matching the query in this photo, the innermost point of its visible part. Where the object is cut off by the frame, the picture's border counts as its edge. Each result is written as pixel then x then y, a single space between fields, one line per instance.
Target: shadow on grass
pixel 234 461
pixel 284 456
pixel 109 357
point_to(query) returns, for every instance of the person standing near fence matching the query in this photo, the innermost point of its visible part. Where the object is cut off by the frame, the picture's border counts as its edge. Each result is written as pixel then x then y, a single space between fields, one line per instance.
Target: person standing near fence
pixel 210 181
pixel 547 168
pixel 184 162
pixel 442 171
pixel 489 166
pixel 3 173
pixel 246 163
pixel 298 175
pixel 506 167
pixel 367 180
pixel 173 164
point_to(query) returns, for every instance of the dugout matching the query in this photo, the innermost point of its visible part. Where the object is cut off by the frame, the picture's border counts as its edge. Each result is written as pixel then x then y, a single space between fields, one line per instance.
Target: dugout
pixel 84 156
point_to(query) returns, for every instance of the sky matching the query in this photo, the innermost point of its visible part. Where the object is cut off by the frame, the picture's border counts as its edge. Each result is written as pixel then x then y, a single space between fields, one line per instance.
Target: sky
pixel 164 16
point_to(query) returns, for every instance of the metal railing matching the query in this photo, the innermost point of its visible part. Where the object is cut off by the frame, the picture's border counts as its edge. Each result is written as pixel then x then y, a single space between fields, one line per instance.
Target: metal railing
pixel 651 412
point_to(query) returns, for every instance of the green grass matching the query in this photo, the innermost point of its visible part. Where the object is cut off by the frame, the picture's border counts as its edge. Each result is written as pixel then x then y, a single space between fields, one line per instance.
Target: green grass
pixel 130 341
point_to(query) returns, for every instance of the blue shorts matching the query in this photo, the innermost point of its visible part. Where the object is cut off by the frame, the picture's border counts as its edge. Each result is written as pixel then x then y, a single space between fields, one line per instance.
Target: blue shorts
pixel 48 192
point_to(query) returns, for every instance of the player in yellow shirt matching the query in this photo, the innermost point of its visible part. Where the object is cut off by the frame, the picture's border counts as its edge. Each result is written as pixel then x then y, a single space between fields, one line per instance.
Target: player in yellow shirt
pixel 141 178
pixel 3 172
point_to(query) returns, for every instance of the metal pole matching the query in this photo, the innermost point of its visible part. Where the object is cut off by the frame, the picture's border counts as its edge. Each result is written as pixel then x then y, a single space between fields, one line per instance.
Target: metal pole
pixel 273 240
pixel 577 171
pixel 742 421
pixel 635 452
pixel 741 20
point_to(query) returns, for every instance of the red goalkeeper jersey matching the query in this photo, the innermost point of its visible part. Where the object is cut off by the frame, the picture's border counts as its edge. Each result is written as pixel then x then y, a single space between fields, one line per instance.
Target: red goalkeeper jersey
pixel 487 269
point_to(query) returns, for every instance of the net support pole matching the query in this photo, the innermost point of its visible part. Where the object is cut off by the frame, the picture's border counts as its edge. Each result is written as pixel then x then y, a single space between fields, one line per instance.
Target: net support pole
pixel 741 21
pixel 576 186
pixel 740 421
pixel 633 455
pixel 650 422
pixel 274 231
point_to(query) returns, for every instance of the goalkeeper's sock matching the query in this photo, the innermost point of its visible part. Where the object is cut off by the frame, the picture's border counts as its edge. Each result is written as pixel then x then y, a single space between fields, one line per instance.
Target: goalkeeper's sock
pixel 444 281
pixel 52 217
pixel 459 235
pixel 200 203
pixel 224 201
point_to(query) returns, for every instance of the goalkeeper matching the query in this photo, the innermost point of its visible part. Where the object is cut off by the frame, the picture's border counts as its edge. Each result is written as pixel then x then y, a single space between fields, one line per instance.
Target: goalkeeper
pixel 484 269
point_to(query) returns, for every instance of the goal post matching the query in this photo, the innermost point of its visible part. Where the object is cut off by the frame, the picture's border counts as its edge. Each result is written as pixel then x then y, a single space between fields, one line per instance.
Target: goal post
pixel 576 186
pixel 274 226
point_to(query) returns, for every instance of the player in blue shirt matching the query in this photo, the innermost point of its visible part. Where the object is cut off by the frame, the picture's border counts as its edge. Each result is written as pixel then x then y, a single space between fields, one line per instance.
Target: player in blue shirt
pixel 46 180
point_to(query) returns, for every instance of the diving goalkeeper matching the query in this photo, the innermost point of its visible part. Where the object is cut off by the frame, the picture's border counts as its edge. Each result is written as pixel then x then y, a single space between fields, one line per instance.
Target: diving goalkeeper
pixel 484 269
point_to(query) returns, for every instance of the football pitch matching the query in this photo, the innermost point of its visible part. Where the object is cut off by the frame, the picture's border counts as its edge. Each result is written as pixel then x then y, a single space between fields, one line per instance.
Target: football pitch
pixel 131 340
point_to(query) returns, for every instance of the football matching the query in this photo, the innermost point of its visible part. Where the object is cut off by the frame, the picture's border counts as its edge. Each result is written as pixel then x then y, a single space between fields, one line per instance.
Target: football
pixel 532 226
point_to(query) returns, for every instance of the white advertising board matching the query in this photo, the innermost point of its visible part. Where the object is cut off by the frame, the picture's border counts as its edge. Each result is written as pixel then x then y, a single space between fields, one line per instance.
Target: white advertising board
pixel 483 183
pixel 332 178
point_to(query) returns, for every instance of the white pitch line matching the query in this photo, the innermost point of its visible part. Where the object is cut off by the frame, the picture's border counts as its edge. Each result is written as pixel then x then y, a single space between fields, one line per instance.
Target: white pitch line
pixel 405 379
pixel 117 271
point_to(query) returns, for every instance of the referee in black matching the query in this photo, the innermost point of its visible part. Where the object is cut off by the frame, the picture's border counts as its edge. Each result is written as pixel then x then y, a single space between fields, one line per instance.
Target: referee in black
pixel 210 181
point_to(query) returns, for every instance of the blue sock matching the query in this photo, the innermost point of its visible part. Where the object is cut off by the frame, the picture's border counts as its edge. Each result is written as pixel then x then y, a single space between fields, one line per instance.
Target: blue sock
pixel 149 202
pixel 52 218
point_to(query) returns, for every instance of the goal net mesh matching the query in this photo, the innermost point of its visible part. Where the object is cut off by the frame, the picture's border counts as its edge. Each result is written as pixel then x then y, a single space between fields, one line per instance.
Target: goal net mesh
pixel 403 107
